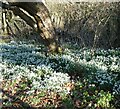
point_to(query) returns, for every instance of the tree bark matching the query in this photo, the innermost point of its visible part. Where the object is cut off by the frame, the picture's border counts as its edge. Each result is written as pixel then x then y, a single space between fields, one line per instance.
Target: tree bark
pixel 41 21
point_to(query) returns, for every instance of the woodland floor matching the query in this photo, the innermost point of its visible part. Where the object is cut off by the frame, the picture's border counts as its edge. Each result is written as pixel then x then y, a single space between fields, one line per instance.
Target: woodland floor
pixel 79 78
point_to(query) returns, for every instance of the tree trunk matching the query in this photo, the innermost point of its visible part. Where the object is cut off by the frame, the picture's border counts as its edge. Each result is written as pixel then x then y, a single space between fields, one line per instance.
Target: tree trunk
pixel 41 21
pixel 4 24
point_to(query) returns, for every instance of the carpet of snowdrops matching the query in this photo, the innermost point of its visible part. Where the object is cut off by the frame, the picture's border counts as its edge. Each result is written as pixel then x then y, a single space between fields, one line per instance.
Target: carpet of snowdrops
pixel 77 78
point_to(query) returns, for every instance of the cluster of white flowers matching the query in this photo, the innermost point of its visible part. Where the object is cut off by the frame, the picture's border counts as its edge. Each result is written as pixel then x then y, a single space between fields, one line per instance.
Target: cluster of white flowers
pixel 102 77
pixel 103 66
pixel 24 60
pixel 102 59
pixel 56 82
pixel 45 72
pixel 12 71
pixel 116 88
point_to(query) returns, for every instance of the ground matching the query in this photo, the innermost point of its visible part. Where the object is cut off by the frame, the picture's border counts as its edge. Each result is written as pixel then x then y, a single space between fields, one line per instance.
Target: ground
pixel 77 78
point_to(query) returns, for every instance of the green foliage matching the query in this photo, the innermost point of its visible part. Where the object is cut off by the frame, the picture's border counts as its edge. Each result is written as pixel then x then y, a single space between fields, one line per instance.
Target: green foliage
pixel 104 99
pixel 75 79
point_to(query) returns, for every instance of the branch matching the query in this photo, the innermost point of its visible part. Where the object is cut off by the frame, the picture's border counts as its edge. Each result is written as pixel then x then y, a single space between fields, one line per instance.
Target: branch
pixel 17 11
pixel 24 16
pixel 4 5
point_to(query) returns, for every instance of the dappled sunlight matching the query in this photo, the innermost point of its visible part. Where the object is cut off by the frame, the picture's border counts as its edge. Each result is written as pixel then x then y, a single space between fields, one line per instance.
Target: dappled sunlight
pixel 76 77
pixel 72 62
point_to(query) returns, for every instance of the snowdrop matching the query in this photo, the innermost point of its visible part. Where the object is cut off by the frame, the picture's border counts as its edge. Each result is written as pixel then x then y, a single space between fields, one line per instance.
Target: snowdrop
pixel 116 88
pixel 45 72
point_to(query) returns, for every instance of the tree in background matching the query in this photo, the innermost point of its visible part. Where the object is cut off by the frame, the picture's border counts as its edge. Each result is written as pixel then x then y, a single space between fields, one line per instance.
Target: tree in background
pixel 37 17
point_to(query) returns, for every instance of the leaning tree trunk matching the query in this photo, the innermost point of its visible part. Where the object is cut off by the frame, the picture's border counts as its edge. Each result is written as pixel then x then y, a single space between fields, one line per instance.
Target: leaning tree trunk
pixel 41 22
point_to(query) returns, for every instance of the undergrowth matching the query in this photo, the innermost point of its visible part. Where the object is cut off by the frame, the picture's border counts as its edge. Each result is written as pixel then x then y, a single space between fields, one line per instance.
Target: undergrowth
pixel 78 78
